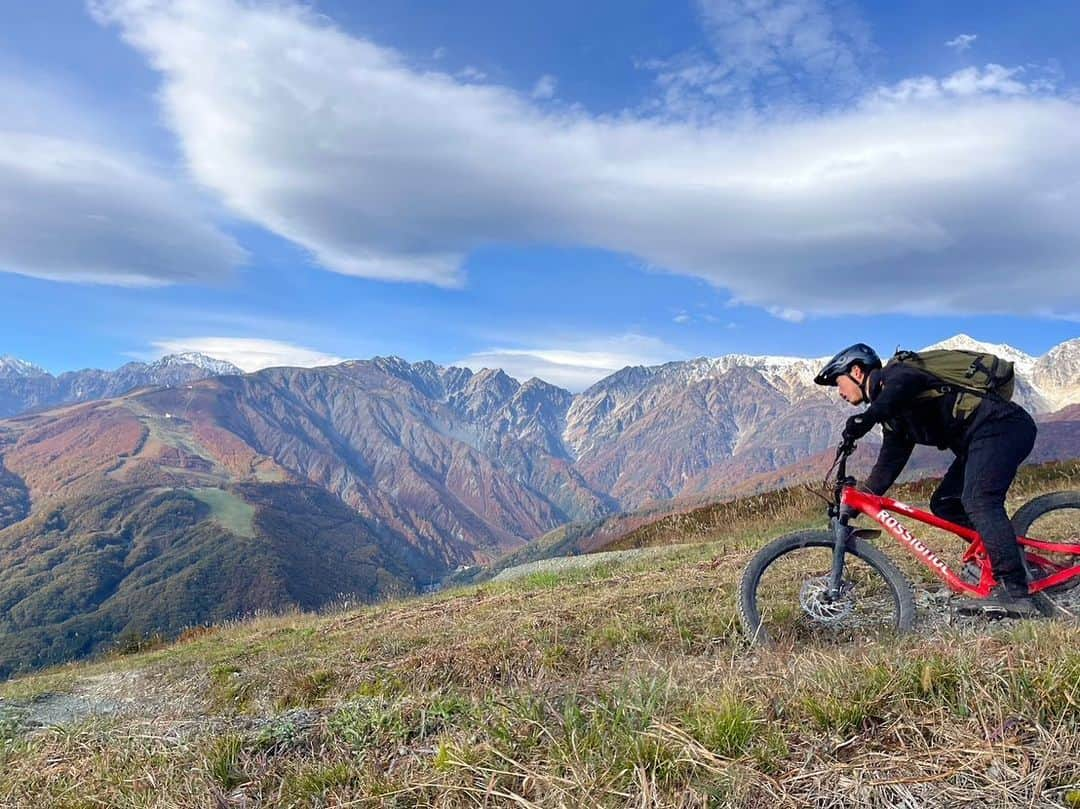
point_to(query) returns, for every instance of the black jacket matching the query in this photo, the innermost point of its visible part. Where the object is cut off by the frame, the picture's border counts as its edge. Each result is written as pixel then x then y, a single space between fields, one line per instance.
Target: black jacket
pixel 907 420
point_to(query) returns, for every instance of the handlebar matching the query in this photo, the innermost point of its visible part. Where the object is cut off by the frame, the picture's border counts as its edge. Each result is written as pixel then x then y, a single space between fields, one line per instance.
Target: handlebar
pixel 843 452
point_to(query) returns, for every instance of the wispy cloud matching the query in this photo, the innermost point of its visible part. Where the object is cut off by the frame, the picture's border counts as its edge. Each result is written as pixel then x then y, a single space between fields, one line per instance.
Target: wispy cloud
pixel 961 42
pixel 249 354
pixel 544 87
pixel 574 366
pixel 764 54
pixel 914 189
pixel 471 73
pixel 790 314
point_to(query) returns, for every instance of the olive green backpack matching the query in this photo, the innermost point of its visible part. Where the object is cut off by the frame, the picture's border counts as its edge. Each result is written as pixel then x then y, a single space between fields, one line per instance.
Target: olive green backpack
pixel 975 374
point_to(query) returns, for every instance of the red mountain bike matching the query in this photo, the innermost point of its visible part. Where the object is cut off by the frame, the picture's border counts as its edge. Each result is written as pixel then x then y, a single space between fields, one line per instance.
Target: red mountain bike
pixel 836 585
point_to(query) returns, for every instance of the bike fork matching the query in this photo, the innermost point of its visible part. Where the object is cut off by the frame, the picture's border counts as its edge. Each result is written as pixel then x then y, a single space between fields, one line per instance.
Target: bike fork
pixel 836 577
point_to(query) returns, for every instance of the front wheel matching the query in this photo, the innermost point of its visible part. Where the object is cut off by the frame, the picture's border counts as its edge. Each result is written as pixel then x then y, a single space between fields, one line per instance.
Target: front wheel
pixel 1052 518
pixel 783 597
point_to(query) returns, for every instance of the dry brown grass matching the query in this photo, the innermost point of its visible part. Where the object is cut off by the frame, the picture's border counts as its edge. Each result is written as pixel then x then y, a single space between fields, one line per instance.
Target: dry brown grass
pixel 616 686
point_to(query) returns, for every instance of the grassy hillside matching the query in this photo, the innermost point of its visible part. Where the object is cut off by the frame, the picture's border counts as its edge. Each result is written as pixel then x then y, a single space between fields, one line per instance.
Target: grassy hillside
pixel 775 512
pixel 133 562
pixel 621 685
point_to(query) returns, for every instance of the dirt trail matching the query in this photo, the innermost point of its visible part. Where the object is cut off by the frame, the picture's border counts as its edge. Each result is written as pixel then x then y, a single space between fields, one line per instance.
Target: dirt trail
pixel 136 694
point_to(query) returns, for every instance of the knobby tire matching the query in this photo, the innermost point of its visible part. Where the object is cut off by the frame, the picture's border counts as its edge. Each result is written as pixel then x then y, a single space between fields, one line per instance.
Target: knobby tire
pixel 1063 602
pixel 899 586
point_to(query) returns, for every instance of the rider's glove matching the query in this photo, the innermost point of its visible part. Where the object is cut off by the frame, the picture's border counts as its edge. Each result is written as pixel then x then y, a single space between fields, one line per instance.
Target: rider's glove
pixel 857 426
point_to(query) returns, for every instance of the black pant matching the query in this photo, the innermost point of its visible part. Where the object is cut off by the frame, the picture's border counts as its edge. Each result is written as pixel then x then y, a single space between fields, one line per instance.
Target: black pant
pixel 972 493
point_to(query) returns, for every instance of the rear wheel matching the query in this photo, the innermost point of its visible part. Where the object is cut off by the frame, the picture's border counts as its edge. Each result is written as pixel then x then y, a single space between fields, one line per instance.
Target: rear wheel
pixel 1052 518
pixel 783 596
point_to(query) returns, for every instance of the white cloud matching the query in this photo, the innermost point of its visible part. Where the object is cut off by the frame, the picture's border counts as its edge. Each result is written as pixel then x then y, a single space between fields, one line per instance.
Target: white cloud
pixel 574 366
pixel 470 73
pixel 787 313
pixel 73 210
pixel 545 87
pixel 947 195
pixel 961 42
pixel 682 318
pixel 248 354
pixel 992 80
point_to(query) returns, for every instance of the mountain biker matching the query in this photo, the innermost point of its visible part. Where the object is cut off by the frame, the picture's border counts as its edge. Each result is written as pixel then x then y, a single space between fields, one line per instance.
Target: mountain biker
pixel 989 442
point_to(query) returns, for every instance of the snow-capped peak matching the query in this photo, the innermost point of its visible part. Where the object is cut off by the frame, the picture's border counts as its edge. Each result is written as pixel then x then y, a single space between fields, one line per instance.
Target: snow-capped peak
pixel 11 367
pixel 1057 374
pixel 772 367
pixel 964 342
pixel 214 366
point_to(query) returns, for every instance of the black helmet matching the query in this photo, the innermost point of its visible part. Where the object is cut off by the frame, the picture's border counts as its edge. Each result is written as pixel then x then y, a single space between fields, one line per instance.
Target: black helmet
pixel 858 354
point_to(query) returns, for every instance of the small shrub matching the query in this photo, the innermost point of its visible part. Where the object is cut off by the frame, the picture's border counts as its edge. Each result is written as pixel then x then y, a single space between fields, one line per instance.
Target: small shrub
pixel 131 642
pixel 278 735
pixel 367 723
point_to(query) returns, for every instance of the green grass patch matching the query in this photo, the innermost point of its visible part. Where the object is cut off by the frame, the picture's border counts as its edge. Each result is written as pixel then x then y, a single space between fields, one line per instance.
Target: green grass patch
pixel 727 728
pixel 228 510
pixel 223 762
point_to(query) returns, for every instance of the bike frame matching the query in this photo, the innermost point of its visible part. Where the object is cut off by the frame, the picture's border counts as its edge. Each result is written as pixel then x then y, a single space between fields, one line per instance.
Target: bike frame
pixel 883 511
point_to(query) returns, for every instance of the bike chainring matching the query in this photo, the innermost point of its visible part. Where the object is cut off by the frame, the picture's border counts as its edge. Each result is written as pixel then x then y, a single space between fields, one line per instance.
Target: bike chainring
pixel 815 602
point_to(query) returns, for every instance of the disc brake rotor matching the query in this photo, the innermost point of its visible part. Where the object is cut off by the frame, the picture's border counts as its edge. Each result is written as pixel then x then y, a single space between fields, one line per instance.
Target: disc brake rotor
pixel 815 602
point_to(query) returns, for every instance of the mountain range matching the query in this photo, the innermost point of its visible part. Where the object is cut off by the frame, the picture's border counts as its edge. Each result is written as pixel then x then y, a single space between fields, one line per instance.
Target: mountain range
pixel 415 469
pixel 24 386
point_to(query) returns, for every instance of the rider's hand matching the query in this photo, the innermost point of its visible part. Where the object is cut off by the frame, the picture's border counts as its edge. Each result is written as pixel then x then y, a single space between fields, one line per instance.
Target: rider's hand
pixel 857 426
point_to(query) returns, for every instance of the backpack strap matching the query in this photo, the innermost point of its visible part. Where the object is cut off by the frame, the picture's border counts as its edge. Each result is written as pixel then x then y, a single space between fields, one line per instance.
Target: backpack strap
pixel 977 365
pixel 991 374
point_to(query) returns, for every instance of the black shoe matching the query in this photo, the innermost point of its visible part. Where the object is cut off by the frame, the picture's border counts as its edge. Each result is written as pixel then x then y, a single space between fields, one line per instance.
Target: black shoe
pixel 1005 599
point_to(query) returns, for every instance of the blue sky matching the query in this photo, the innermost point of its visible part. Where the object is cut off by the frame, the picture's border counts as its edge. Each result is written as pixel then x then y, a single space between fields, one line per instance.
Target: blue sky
pixel 556 190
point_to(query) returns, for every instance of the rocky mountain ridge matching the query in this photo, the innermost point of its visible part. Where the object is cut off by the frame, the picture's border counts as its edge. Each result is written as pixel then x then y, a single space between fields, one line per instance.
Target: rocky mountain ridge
pixel 478 460
pixel 25 387
pixel 13 368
